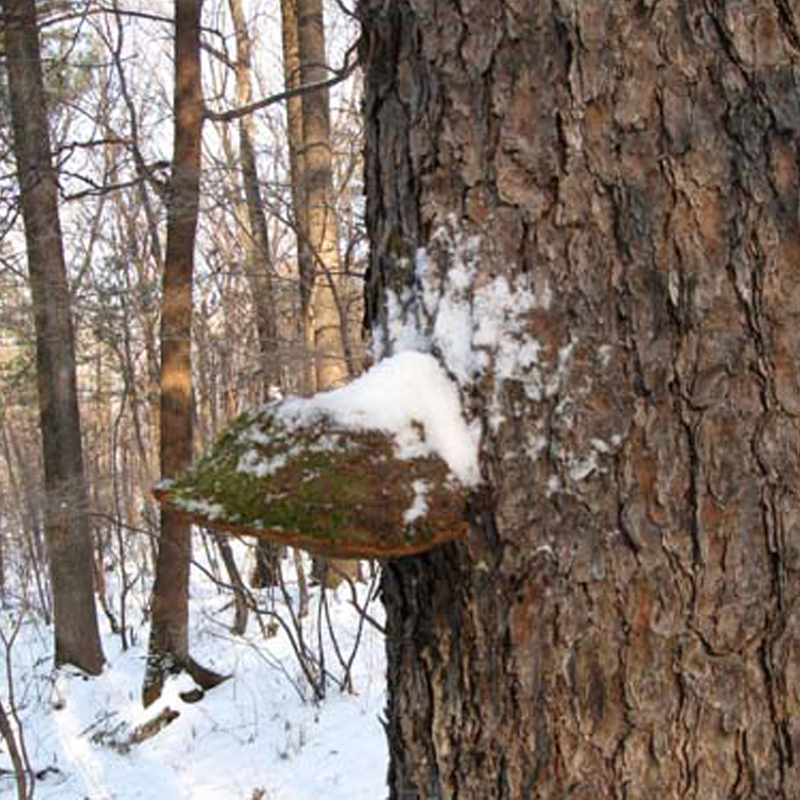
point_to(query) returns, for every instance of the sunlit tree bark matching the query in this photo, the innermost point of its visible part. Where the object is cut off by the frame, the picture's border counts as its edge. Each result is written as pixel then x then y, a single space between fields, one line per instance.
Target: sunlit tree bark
pixel 329 361
pixel 259 262
pixel 169 633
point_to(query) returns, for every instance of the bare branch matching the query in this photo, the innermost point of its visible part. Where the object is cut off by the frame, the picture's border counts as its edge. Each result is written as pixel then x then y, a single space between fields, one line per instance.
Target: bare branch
pixel 220 55
pixel 338 77
pixel 97 189
pixel 142 169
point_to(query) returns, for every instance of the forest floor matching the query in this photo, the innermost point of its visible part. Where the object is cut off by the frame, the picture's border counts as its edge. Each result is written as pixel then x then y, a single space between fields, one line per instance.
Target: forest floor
pixel 258 736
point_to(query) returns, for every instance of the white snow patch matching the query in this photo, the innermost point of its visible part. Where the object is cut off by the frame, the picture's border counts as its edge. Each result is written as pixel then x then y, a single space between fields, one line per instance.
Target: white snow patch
pixel 472 327
pixel 601 446
pixel 252 734
pixel 253 463
pixel 419 506
pixel 580 469
pixel 201 507
pixel 409 396
pixel 499 331
pixel 553 485
pixel 535 445
pixel 404 325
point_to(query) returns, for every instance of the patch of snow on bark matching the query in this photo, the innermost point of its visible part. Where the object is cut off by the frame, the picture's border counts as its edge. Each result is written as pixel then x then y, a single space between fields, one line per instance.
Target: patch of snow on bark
pixel 403 323
pixel 471 328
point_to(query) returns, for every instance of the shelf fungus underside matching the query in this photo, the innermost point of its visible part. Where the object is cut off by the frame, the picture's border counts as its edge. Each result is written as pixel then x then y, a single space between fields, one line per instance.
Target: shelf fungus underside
pixel 322 486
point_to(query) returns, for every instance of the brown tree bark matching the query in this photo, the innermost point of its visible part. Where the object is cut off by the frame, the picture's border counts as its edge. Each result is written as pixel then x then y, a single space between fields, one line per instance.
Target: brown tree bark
pixel 67 529
pixel 169 633
pixel 623 620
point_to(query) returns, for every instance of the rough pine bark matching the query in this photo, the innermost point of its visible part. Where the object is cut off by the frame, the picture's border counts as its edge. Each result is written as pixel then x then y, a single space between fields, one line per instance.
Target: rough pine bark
pixel 66 517
pixel 623 620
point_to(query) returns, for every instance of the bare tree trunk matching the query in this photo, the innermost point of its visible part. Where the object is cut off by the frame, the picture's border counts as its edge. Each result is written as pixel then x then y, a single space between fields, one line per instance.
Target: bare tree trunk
pixel 259 261
pixel 623 620
pixel 241 612
pixel 77 640
pixel 330 363
pixel 294 127
pixel 169 633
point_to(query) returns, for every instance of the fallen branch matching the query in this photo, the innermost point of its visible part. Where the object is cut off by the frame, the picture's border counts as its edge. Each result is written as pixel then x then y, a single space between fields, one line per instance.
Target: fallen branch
pixel 141 733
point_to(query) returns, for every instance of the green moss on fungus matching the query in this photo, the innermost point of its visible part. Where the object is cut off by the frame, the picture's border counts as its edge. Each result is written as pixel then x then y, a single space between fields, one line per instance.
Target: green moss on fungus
pixel 320 487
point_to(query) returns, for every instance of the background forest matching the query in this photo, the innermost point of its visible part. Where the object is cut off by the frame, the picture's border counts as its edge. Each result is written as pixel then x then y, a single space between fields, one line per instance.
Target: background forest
pixel 277 291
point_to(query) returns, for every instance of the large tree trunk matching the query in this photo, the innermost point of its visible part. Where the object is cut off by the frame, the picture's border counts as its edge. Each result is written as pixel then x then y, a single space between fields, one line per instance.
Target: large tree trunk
pixel 67 528
pixel 169 633
pixel 615 186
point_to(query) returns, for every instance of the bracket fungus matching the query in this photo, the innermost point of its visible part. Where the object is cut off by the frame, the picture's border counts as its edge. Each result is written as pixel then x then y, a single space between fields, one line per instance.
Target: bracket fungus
pixel 338 475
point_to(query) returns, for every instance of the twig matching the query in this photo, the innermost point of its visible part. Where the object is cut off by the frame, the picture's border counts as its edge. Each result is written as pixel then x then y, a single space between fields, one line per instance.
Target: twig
pixel 347 684
pixel 16 743
pixel 363 617
pixel 363 611
pixel 13 751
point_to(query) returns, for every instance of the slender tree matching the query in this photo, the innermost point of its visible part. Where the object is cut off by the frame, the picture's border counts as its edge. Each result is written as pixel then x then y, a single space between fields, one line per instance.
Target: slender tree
pixel 258 260
pixel 294 128
pixel 319 218
pixel 615 186
pixel 67 528
pixel 317 196
pixel 169 633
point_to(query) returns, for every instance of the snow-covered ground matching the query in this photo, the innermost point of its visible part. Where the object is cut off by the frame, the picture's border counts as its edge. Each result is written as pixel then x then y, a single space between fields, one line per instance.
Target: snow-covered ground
pixel 258 736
